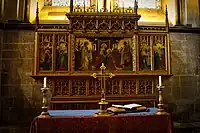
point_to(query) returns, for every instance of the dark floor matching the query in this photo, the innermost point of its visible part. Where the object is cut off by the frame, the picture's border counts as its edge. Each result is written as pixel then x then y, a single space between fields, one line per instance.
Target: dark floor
pixel 193 127
pixel 178 128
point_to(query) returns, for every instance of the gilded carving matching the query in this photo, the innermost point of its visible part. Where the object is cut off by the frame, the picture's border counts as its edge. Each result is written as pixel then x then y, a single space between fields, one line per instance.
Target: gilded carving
pixel 129 87
pixel 134 52
pixel 77 25
pixel 145 87
pixel 78 87
pixel 112 87
pixel 90 25
pixel 142 86
pixel 149 87
pixel 94 87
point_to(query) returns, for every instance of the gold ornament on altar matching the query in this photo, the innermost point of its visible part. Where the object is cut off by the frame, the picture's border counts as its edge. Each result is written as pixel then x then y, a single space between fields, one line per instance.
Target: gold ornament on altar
pixel 45 113
pixel 103 103
pixel 161 110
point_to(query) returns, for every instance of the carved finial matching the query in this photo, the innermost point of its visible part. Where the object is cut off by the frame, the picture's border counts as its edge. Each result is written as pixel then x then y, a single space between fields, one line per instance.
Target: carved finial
pixel 102 66
pixel 110 6
pixel 37 16
pixel 84 6
pixel 71 6
pixel 97 6
pixel 166 20
pixel 135 6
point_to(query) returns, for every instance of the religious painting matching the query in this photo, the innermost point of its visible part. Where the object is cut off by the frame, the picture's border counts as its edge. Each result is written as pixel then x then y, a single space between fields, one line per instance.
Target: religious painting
pixel 90 53
pixel 145 55
pixel 61 41
pixel 159 55
pixel 45 51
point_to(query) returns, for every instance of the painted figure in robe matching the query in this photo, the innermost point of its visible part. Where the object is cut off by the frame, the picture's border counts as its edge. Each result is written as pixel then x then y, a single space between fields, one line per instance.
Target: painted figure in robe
pixel 145 56
pixel 101 58
pixel 45 54
pixel 85 56
pixel 111 65
pixel 159 55
pixel 62 57
pixel 126 56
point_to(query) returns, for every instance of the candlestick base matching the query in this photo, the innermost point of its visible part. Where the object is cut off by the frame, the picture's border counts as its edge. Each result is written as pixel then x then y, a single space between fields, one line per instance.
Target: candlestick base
pixel 161 110
pixel 103 109
pixel 44 115
pixel 161 113
pixel 101 113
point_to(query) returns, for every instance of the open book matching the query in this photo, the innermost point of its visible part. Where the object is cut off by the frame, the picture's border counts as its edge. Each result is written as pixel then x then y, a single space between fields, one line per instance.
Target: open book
pixel 128 108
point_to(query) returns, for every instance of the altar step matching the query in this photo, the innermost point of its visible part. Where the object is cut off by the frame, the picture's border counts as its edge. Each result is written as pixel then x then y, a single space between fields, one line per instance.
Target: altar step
pixel 193 127
pixel 14 129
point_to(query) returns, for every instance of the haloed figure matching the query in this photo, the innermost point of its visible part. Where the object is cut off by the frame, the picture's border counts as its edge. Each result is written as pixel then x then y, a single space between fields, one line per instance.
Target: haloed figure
pixel 85 56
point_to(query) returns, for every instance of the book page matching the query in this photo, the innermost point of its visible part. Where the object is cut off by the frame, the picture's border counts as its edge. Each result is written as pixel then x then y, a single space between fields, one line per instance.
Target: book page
pixel 130 106
pixel 127 106
pixel 118 106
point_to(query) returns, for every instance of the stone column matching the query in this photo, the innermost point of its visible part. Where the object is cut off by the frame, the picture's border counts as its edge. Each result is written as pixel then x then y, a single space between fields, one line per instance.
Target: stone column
pixel 2 4
pixel 21 9
pixel 14 10
pixel 191 13
pixel 179 12
pixel 26 10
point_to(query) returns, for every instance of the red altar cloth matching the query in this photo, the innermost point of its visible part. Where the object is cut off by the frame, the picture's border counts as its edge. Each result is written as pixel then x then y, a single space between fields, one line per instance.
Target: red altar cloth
pixel 113 124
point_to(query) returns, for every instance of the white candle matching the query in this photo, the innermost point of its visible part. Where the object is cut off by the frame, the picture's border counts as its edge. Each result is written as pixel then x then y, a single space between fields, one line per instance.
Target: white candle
pixel 160 81
pixel 45 82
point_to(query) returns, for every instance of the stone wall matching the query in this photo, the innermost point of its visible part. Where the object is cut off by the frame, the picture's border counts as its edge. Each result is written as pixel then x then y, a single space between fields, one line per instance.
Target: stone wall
pixel 0 76
pixel 21 96
pixel 182 89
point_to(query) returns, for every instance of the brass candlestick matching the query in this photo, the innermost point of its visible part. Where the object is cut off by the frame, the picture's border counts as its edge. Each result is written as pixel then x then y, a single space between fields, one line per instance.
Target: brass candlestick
pixel 161 110
pixel 103 103
pixel 45 113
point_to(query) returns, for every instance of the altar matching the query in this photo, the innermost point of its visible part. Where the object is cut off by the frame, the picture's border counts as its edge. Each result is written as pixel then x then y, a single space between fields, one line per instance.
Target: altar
pixel 69 59
pixel 82 121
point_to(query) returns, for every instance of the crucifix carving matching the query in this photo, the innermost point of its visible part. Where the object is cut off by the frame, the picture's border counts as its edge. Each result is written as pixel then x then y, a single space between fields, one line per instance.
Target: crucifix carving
pixel 103 75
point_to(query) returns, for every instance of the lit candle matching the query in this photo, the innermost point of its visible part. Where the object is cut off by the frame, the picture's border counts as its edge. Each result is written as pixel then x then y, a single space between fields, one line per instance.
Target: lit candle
pixel 45 82
pixel 160 81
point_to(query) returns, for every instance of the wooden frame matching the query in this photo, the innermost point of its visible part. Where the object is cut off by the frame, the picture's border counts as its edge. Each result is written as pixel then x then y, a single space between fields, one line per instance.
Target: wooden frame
pixel 78 87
